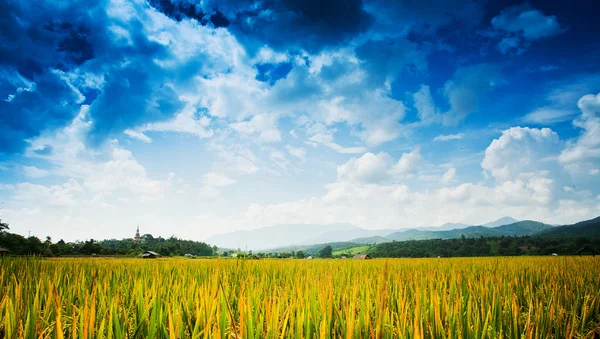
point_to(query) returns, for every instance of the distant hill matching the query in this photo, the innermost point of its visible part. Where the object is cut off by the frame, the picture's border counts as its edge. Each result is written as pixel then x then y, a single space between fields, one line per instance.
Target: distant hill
pixel 346 235
pixel 445 227
pixel 587 229
pixel 412 234
pixel 501 221
pixel 313 249
pixel 370 240
pixel 276 236
pixel 284 238
pixel 520 228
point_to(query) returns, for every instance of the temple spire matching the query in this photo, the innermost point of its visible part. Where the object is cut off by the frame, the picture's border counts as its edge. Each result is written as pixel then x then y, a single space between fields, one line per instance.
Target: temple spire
pixel 137 233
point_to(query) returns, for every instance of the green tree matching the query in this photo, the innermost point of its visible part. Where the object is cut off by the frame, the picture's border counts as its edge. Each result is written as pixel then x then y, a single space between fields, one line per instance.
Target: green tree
pixel 300 255
pixel 326 252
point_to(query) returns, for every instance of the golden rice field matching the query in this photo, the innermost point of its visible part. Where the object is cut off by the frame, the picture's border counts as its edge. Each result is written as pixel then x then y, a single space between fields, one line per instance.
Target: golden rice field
pixel 549 297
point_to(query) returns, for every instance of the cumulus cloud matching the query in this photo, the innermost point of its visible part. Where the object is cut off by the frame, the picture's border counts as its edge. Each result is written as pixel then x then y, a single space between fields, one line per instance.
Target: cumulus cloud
pixel 448 176
pixel 379 168
pixel 519 150
pixel 585 151
pixel 369 168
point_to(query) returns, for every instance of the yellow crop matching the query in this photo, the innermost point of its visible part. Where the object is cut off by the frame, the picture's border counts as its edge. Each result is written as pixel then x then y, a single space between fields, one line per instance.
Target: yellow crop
pixel 396 298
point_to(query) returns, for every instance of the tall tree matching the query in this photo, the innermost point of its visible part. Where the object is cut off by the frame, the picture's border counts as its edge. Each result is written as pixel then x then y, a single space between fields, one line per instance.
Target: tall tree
pixel 326 252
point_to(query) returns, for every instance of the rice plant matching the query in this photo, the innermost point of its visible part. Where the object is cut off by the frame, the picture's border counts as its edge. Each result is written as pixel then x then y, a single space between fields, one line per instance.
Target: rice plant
pixel 518 297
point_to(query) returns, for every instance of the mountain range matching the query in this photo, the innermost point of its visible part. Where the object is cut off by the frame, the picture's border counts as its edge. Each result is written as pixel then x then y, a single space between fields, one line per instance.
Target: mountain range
pixel 302 235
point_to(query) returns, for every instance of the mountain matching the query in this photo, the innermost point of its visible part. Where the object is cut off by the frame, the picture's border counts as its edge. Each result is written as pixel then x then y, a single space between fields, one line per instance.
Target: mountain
pixel 588 229
pixel 520 228
pixel 411 234
pixel 500 222
pixel 276 236
pixel 445 227
pixel 376 239
pixel 346 235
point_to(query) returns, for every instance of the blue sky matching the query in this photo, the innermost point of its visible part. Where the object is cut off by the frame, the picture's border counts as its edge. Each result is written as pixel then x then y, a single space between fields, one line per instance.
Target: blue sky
pixel 193 118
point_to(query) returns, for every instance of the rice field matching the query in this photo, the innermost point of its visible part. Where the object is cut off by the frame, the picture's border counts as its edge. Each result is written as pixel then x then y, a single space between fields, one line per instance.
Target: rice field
pixel 520 297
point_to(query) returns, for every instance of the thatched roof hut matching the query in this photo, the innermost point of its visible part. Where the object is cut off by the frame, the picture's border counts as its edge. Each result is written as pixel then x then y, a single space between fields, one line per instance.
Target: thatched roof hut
pixel 362 256
pixel 149 255
pixel 3 251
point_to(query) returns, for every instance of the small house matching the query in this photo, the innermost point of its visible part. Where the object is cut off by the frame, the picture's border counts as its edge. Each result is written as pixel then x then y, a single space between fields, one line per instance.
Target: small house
pixel 191 256
pixel 362 257
pixel 149 255
pixel 309 257
pixel 3 251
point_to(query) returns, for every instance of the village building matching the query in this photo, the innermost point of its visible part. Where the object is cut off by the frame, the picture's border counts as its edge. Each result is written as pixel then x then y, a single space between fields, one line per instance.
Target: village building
pixel 362 257
pixel 149 255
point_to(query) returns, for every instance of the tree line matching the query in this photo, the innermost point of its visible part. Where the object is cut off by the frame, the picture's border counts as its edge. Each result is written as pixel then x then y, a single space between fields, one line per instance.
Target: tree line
pixel 173 246
pixel 476 247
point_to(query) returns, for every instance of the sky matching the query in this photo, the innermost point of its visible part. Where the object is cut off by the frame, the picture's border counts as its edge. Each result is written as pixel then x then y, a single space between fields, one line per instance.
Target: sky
pixel 199 117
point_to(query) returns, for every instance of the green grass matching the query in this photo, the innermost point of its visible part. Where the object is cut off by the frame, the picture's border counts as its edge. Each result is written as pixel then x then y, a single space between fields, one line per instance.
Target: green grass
pixel 352 250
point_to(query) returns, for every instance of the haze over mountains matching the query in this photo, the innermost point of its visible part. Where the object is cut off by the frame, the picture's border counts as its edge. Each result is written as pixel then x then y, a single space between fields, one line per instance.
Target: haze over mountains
pixel 279 236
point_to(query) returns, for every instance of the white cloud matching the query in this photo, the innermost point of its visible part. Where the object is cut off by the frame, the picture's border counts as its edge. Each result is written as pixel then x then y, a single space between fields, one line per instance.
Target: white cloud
pixel 318 133
pixel 138 135
pixel 519 150
pixel 297 152
pixel 213 179
pixel 55 195
pixel 447 137
pixel 34 172
pixel 409 163
pixel 209 193
pixel 428 111
pixel 548 115
pixel 369 168
pixel 379 168
pixel 448 176
pixel 262 125
pixel 266 55
pixel 124 172
pixel 585 151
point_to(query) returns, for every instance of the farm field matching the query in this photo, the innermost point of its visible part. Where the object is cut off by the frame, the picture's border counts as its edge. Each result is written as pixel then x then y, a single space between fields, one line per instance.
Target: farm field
pixel 516 297
pixel 351 250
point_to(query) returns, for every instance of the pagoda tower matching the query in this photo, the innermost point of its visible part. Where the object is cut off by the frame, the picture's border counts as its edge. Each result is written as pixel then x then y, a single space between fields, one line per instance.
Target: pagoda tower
pixel 137 234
